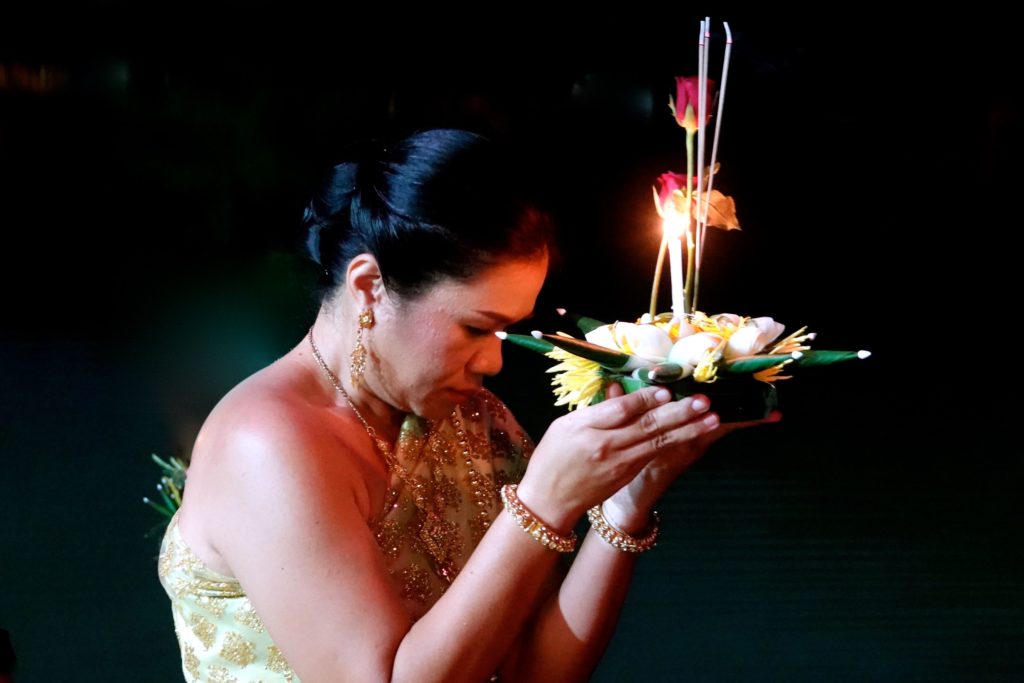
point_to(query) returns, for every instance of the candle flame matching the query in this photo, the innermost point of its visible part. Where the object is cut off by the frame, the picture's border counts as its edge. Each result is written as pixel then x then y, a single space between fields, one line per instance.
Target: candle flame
pixel 673 223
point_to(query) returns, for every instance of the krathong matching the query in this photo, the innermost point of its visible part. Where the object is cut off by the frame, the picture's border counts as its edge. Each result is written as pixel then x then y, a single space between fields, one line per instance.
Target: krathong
pixel 733 359
pixel 169 488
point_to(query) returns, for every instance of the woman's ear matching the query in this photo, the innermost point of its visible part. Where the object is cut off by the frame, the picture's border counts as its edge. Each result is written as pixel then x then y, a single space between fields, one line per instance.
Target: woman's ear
pixel 363 281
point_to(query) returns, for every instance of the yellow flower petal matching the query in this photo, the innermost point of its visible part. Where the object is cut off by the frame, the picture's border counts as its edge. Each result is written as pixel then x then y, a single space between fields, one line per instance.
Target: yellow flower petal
pixel 772 374
pixel 578 379
pixel 707 368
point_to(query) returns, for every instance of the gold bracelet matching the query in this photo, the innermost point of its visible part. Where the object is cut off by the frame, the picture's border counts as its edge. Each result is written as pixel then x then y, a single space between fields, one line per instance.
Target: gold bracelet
pixel 619 539
pixel 533 526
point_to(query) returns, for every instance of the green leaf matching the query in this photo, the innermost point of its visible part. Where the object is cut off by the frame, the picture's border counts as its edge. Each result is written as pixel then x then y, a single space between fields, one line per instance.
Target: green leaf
pixel 583 322
pixel 609 358
pixel 824 357
pixel 631 384
pixel 163 463
pixel 171 505
pixel 754 363
pixel 163 510
pixel 528 342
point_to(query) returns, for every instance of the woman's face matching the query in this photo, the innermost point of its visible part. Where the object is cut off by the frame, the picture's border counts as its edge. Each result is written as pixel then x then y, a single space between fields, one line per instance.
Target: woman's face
pixel 431 352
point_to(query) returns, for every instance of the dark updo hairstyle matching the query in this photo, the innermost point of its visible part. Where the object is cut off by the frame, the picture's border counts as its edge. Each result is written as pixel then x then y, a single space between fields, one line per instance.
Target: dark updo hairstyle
pixel 438 204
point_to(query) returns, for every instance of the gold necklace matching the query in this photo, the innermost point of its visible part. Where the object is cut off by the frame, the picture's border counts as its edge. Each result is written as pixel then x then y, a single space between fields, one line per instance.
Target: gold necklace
pixel 431 502
pixel 384 446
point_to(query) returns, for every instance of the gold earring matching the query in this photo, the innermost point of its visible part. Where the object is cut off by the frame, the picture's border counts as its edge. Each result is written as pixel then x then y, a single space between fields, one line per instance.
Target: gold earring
pixel 359 352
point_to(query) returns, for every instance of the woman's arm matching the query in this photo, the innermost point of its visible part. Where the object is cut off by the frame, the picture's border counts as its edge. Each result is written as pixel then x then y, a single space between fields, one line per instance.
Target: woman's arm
pixel 572 630
pixel 293 530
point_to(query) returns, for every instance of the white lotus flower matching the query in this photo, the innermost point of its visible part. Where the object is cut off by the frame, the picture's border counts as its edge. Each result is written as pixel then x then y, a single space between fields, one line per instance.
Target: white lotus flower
pixel 602 336
pixel 727 319
pixel 648 342
pixel 688 351
pixel 753 337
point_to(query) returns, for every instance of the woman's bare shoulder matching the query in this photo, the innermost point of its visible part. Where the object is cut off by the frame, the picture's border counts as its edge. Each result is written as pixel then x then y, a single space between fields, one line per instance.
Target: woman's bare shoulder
pixel 273 443
pixel 271 409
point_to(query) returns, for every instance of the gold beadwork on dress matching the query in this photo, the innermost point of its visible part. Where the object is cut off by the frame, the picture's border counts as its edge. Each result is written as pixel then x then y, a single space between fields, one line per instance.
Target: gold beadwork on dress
pixel 246 616
pixel 450 491
pixel 218 674
pixel 388 538
pixel 445 478
pixel 238 650
pixel 276 663
pixel 415 583
pixel 190 661
pixel 441 497
pixel 480 446
pixel 165 563
pixel 221 636
pixel 203 629
pixel 215 606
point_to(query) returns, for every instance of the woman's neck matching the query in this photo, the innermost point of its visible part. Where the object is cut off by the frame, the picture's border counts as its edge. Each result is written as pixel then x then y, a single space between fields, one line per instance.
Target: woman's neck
pixel 334 338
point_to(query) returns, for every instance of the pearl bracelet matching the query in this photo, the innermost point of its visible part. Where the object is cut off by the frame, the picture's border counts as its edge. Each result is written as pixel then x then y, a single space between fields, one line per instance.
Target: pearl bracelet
pixel 533 526
pixel 619 539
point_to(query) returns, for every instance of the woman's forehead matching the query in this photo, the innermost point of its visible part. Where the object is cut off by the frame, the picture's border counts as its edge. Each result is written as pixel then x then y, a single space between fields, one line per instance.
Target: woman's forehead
pixel 505 291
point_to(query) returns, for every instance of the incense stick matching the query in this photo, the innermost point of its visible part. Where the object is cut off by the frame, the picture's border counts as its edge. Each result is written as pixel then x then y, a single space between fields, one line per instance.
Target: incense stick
pixel 718 130
pixel 704 46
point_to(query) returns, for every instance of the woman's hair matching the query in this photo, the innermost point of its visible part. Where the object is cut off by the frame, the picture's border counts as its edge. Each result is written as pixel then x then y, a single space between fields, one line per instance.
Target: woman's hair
pixel 438 204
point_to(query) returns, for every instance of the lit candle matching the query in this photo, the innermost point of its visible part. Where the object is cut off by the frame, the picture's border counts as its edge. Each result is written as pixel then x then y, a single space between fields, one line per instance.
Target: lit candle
pixel 674 225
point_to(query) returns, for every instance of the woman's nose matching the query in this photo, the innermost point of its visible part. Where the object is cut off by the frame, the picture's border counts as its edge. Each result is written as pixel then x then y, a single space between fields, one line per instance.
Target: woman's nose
pixel 487 360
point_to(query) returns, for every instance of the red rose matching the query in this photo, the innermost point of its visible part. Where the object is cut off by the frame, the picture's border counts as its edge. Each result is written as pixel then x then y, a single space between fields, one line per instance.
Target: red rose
pixel 669 183
pixel 685 105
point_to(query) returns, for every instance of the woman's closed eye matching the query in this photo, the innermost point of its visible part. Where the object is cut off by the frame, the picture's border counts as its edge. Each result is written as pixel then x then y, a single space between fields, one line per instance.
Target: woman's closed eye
pixel 475 331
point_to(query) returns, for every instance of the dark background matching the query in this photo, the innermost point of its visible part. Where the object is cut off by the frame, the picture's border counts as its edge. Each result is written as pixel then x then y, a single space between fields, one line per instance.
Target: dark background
pixel 153 167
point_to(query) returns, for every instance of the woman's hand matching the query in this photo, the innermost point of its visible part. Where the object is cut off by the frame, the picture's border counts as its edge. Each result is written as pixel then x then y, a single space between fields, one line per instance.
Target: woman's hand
pixel 590 454
pixel 630 507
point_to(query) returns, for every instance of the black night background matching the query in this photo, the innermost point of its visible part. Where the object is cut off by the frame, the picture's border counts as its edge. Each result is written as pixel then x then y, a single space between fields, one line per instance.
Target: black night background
pixel 152 180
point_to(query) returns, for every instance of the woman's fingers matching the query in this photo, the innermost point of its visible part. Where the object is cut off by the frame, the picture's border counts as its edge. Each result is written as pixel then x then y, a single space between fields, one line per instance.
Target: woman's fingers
pixel 646 416
pixel 613 390
pixel 620 411
pixel 653 424
pixel 667 430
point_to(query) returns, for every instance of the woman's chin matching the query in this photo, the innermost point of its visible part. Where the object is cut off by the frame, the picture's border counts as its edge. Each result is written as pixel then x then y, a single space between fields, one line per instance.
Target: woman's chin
pixel 435 408
pixel 439 405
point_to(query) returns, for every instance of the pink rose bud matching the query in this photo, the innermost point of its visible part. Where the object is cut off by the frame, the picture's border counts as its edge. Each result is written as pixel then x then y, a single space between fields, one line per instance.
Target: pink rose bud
pixel 687 97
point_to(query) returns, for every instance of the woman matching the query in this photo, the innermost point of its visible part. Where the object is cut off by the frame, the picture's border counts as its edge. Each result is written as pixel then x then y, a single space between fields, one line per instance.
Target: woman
pixel 347 516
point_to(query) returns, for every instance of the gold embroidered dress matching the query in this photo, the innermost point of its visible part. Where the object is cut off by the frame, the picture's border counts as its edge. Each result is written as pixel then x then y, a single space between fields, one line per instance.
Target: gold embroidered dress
pixel 443 494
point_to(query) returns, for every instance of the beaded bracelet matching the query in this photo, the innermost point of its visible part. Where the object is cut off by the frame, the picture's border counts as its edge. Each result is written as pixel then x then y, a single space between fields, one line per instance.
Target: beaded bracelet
pixel 619 539
pixel 533 526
